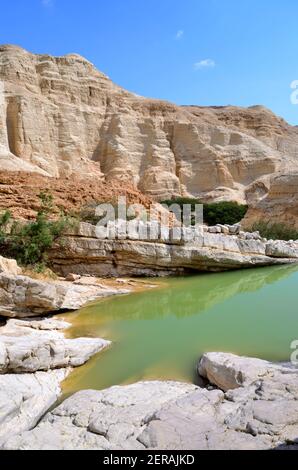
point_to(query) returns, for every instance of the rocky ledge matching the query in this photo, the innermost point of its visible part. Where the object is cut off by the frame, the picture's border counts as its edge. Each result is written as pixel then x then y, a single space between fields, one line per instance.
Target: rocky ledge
pixel 217 248
pixel 21 296
pixel 248 404
pixel 31 346
pixel 35 356
pixel 34 359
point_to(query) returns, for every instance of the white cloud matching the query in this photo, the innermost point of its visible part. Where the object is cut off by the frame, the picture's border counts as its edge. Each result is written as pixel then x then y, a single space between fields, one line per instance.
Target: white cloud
pixel 180 34
pixel 203 64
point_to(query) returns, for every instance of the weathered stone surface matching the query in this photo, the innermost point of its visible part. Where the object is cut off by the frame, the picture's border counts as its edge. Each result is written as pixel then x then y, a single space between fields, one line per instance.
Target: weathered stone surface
pixel 259 412
pixel 279 204
pixel 22 296
pixel 25 398
pixel 85 254
pixel 28 386
pixel 224 229
pixel 9 266
pixel 27 346
pixel 101 420
pixel 228 371
pixel 281 249
pixel 62 116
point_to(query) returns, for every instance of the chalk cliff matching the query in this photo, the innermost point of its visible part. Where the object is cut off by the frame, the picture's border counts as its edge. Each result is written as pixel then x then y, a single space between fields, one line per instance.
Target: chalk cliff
pixel 60 116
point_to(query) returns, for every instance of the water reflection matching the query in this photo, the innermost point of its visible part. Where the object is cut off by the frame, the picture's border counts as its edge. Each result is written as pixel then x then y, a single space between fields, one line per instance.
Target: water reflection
pixel 188 296
pixel 161 333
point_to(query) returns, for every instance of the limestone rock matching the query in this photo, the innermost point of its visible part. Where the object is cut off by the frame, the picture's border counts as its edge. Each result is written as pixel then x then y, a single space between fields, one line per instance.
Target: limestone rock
pixel 206 252
pixel 9 266
pixel 279 205
pixel 101 420
pixel 22 296
pixel 282 249
pixel 39 346
pixel 28 386
pixel 261 413
pixel 228 371
pixel 234 229
pixel 224 229
pixel 25 398
pixel 216 229
pixel 61 116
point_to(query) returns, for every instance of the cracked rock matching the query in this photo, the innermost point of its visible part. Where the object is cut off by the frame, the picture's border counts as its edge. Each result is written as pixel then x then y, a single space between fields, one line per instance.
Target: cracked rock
pixel 256 409
pixel 27 346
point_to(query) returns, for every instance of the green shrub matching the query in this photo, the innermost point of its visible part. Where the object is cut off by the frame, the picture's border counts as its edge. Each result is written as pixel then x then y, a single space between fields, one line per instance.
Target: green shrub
pixel 29 242
pixel 215 213
pixel 275 231
pixel 229 213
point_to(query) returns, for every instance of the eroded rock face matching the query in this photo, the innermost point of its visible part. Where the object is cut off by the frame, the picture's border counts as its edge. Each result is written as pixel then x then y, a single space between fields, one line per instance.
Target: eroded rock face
pixel 27 346
pixel 258 412
pixel 280 205
pixel 61 116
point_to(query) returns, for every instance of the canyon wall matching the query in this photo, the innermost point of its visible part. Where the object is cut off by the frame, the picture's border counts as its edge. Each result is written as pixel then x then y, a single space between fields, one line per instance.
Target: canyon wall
pixel 60 116
pixel 280 204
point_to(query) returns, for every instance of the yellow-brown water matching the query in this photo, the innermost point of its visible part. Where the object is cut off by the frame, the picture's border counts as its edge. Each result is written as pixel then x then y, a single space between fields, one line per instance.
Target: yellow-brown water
pixel 161 333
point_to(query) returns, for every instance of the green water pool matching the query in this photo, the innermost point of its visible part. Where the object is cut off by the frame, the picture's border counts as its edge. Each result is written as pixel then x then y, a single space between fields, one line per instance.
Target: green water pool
pixel 161 333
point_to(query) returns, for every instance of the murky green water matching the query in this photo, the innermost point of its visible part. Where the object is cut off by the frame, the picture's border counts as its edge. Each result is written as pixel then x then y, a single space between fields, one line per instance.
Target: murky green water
pixel 161 333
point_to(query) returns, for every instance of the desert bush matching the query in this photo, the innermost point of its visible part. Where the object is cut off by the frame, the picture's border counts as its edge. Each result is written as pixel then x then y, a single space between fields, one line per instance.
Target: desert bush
pixel 275 231
pixel 29 242
pixel 229 213
pixel 214 213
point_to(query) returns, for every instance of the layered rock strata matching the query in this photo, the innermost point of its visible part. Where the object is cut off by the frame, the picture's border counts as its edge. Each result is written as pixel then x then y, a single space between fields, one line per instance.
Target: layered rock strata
pixel 22 296
pixel 84 252
pixel 60 116
pixel 280 205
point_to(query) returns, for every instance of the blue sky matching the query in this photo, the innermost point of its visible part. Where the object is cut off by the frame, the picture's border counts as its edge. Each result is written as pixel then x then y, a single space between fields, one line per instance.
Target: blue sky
pixel 211 52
